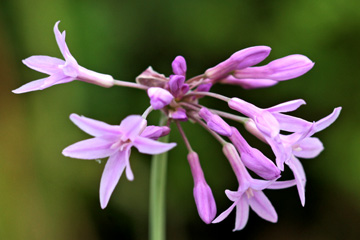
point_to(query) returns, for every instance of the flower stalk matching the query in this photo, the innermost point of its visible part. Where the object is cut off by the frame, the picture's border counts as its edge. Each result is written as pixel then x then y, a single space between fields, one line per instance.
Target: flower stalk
pixel 157 228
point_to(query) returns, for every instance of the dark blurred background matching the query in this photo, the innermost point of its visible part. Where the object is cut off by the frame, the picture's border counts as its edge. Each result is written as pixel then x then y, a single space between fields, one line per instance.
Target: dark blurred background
pixel 44 195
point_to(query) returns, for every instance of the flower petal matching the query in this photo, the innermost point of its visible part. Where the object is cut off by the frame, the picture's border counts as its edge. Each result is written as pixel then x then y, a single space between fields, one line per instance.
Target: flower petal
pixel 155 132
pixel 308 148
pixel 282 184
pixel 92 148
pixel 242 213
pixel 44 64
pixel 328 120
pixel 299 174
pixel 60 39
pixel 224 214
pixel 94 127
pixel 287 106
pixel 132 126
pixel 149 146
pixel 111 175
pixel 31 86
pixel 249 83
pixel 263 207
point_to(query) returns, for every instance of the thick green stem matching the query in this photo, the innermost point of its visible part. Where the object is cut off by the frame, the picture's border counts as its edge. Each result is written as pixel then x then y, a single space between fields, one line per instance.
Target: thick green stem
pixel 157 193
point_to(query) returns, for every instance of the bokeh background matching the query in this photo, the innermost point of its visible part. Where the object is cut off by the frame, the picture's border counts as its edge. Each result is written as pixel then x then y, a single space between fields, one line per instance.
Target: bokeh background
pixel 44 195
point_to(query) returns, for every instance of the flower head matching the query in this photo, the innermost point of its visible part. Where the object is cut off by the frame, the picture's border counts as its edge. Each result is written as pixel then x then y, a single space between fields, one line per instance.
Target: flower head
pixel 115 142
pixel 61 71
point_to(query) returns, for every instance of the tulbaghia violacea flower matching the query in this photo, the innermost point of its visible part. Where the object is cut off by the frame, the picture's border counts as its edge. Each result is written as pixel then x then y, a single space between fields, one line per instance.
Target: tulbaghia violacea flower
pixel 249 193
pixel 203 196
pixel 115 142
pixel 61 71
pixel 267 123
pixel 178 98
pixel 285 68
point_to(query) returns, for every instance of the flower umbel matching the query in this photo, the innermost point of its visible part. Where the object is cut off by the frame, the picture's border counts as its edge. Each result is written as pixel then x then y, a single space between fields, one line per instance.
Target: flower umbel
pixel 178 98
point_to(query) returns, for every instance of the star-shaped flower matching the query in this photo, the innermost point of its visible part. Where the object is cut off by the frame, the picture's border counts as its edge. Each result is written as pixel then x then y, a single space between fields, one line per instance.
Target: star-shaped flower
pixel 115 142
pixel 61 71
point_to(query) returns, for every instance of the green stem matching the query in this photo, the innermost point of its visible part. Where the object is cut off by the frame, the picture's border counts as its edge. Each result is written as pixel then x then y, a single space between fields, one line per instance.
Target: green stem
pixel 157 192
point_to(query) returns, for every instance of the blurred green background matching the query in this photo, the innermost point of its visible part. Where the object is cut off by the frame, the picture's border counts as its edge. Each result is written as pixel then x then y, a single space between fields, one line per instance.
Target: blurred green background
pixel 44 195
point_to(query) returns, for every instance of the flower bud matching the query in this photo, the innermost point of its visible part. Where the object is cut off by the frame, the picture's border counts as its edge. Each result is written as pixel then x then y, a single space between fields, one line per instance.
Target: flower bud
pixel 280 69
pixel 203 196
pixel 159 97
pixel 215 123
pixel 179 65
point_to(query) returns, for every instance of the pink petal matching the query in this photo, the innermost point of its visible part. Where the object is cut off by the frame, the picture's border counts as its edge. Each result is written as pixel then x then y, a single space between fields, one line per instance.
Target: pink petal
pixel 282 184
pixel 224 214
pixel 242 213
pixel 299 174
pixel 308 148
pixel 111 175
pixel 132 126
pixel 267 124
pixel 287 106
pixel 149 146
pixel 262 206
pixel 328 120
pixel 244 107
pixel 44 64
pixel 31 86
pixel 292 124
pixel 60 39
pixel 249 83
pixel 155 132
pixel 93 148
pixel 94 127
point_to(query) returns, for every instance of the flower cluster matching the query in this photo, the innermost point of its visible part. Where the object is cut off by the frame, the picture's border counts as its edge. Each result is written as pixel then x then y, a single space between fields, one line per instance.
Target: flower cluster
pixel 177 96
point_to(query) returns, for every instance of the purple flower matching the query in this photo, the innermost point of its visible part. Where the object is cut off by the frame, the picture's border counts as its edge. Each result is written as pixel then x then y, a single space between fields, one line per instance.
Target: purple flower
pixel 281 69
pixel 253 158
pixel 239 60
pixel 115 142
pixel 179 66
pixel 249 193
pixel 215 123
pixel 204 198
pixel 159 97
pixel 61 71
pixel 268 123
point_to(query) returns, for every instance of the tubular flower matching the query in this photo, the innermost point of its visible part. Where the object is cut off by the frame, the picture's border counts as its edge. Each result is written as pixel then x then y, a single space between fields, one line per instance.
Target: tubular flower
pixel 249 193
pixel 179 99
pixel 115 142
pixel 203 196
pixel 61 71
